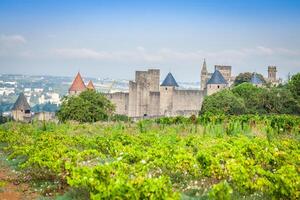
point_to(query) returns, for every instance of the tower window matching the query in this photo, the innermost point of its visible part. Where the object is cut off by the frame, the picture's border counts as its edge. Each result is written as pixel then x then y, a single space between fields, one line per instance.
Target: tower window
pixel 218 86
pixel 166 88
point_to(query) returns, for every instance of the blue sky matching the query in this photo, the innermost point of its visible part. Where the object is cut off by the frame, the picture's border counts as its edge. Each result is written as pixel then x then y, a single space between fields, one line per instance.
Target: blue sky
pixel 115 38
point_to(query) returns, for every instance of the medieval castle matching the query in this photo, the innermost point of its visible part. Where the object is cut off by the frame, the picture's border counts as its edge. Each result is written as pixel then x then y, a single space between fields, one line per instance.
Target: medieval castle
pixel 148 98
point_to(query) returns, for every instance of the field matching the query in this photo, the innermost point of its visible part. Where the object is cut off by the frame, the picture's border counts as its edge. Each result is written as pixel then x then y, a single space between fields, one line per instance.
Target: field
pixel 211 157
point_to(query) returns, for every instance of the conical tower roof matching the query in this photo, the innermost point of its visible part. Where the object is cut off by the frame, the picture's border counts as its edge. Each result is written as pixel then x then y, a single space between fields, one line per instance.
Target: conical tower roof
pixel 78 84
pixel 204 68
pixel 255 79
pixel 21 103
pixel 169 81
pixel 217 78
pixel 90 85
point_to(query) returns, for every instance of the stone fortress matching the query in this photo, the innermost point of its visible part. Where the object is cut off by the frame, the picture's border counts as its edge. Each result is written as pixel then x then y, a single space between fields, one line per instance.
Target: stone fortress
pixel 146 97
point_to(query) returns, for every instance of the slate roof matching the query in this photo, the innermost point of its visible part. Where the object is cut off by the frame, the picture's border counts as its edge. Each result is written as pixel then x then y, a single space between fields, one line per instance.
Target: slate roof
pixel 255 79
pixel 78 84
pixel 21 103
pixel 169 81
pixel 217 78
pixel 90 86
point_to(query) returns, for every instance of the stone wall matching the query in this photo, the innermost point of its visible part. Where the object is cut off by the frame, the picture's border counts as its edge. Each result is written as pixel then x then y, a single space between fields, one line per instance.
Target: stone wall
pixel 45 116
pixel 166 100
pixel 154 104
pixel 213 88
pixel 120 99
pixel 187 102
pixel 20 115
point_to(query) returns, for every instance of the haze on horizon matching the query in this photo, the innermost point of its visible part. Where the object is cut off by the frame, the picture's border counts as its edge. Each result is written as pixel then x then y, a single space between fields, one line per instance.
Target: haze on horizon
pixel 115 38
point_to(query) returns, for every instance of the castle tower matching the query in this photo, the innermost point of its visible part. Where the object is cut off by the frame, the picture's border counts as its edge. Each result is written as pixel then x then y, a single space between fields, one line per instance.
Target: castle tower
pixel 216 83
pixel 77 86
pixel 21 109
pixel 166 95
pixel 272 73
pixel 143 93
pixel 203 76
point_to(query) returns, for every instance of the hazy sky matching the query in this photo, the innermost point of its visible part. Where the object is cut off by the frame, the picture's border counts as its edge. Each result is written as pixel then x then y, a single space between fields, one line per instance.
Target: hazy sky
pixel 115 38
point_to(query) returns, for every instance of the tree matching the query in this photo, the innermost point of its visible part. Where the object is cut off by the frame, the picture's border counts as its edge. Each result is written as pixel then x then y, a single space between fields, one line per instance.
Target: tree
pixel 280 101
pixel 294 86
pixel 89 106
pixel 246 77
pixel 223 102
pixel 252 97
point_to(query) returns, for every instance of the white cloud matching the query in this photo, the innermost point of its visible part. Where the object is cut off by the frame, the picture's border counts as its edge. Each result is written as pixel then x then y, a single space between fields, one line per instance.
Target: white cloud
pixel 82 53
pixel 167 55
pixel 12 40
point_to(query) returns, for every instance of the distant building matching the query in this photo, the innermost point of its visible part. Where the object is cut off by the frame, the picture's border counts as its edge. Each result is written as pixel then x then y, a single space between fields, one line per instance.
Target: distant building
pixel 216 83
pixel 45 116
pixel 21 110
pixel 90 86
pixel 78 85
pixel 147 98
pixel 272 76
pixel 225 70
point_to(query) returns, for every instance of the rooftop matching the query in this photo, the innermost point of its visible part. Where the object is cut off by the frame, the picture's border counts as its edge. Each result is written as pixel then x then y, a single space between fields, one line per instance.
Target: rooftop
pixel 169 81
pixel 21 103
pixel 78 84
pixel 217 78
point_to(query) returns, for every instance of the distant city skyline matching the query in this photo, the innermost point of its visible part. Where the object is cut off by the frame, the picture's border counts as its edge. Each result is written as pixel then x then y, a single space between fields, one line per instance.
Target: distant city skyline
pixel 112 39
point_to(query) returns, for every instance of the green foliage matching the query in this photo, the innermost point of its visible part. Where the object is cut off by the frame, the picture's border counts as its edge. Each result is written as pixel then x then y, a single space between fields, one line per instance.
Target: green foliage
pixel 163 158
pixel 221 191
pixel 294 86
pixel 252 97
pixel 89 106
pixel 279 101
pixel 246 77
pixel 248 99
pixel 223 102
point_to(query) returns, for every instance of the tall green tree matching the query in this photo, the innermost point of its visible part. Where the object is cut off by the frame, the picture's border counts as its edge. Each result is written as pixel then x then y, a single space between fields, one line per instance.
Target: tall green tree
pixel 252 97
pixel 279 101
pixel 89 106
pixel 223 102
pixel 294 86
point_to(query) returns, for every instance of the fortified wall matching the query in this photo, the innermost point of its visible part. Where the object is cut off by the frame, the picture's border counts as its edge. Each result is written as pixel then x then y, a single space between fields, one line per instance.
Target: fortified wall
pixel 147 98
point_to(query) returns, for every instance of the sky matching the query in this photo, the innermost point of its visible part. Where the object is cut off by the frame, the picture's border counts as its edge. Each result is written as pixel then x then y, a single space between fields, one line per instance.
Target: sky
pixel 112 39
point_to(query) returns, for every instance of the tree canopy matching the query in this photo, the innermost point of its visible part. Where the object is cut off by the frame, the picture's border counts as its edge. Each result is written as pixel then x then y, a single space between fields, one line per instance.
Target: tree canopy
pixel 248 99
pixel 223 102
pixel 294 86
pixel 89 106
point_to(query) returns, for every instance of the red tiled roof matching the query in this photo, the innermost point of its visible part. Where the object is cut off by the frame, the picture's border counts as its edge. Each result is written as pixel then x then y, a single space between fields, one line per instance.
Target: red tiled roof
pixel 90 86
pixel 78 84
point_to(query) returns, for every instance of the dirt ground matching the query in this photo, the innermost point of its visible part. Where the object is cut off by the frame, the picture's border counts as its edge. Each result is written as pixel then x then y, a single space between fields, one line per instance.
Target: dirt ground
pixel 11 189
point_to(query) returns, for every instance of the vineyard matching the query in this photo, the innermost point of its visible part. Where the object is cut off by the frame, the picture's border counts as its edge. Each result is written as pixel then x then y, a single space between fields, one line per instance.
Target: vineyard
pixel 210 157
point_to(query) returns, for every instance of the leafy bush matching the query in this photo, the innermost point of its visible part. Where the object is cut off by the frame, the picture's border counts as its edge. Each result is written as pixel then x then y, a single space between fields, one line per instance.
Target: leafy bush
pixel 148 160
pixel 223 102
pixel 89 106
